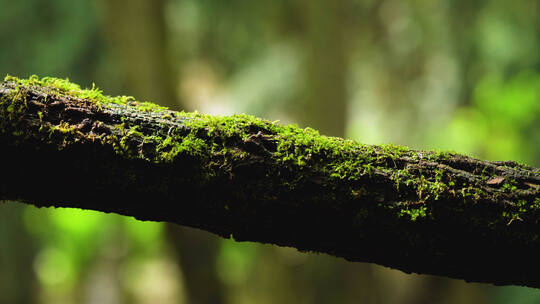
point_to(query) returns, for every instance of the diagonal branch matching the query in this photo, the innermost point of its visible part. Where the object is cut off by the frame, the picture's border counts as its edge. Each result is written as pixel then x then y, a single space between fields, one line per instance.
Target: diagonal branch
pixel 254 180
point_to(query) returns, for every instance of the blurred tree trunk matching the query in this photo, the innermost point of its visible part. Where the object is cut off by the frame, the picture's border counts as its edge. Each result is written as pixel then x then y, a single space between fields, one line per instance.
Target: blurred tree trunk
pixel 325 68
pixel 197 251
pixel 17 252
pixel 462 15
pixel 137 30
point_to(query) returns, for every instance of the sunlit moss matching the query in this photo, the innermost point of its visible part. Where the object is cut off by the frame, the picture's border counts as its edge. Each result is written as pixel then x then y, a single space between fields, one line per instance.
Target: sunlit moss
pixel 67 88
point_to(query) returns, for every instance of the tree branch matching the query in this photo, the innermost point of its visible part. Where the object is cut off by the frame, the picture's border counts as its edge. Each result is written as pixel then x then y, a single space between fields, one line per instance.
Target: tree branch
pixel 418 211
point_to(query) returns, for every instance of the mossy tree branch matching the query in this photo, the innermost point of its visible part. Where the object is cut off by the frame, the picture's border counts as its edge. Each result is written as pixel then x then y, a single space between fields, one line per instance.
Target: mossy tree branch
pixel 254 180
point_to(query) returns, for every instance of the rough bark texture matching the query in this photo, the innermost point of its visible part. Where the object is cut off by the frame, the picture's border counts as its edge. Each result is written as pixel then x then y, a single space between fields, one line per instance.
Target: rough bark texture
pixel 254 180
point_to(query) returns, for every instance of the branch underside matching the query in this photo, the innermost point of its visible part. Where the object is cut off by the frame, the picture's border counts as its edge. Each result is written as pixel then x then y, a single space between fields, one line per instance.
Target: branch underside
pixel 254 180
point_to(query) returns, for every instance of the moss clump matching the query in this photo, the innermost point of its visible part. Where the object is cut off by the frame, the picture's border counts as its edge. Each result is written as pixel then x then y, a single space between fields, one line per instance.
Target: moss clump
pixel 172 146
pixel 414 213
pixel 63 87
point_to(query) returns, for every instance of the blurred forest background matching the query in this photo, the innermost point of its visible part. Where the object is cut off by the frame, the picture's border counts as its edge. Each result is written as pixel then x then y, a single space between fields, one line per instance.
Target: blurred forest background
pixel 453 75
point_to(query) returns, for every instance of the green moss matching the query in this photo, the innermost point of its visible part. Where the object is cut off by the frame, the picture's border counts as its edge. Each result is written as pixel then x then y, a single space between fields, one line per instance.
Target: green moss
pixel 133 132
pixel 213 139
pixel 511 217
pixel 471 192
pixel 146 106
pixel 173 146
pixel 414 213
pixel 63 87
pixel 510 186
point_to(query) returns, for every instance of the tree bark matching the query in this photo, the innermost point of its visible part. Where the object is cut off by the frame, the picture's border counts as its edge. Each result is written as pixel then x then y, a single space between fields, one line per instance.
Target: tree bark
pixel 254 180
